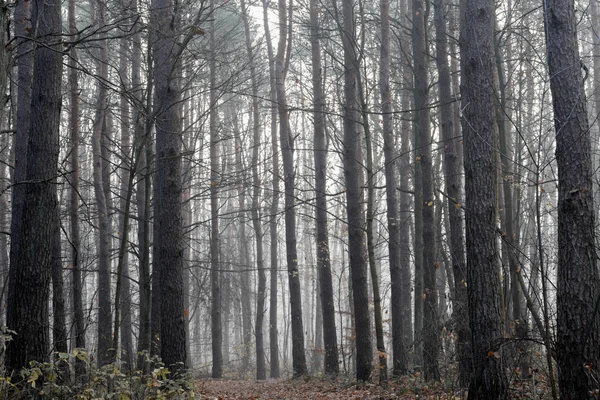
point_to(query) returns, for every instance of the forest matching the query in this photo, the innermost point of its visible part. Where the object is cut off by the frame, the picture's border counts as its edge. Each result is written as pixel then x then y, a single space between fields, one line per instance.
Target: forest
pixel 299 199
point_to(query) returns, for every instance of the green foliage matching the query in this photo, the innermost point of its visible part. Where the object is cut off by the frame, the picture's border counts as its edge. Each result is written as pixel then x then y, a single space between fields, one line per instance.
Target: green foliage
pixel 47 381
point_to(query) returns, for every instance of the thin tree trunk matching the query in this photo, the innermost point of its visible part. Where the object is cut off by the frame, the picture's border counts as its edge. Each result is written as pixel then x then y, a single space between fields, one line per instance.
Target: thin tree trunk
pixel 105 355
pixel 320 158
pixel 273 334
pixel 77 297
pixel 215 246
pixel 287 152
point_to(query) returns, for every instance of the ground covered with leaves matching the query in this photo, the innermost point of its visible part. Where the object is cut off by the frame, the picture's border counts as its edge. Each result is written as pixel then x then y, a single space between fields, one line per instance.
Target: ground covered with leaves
pixel 321 389
pixel 317 388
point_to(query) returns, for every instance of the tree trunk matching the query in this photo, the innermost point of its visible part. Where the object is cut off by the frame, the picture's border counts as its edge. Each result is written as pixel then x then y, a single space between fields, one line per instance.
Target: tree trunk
pixel 488 380
pixel 452 172
pixel 215 311
pixel 30 269
pixel 320 159
pixel 168 232
pixel 287 152
pixel 354 197
pixel 399 347
pixel 77 297
pixel 578 284
pixel 273 334
pixel 105 355
pixel 428 297
pixel 256 222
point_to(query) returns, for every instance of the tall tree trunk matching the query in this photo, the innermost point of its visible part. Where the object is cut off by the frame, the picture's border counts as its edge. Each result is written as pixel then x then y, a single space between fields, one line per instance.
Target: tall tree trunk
pixel 256 222
pixel 30 269
pixel 399 347
pixel 130 158
pixel 354 196
pixel 77 282
pixel 405 214
pixel 215 311
pixel 578 283
pixel 320 159
pixel 452 172
pixel 168 232
pixel 143 190
pixel 273 334
pixel 488 380
pixel 287 153
pixel 24 61
pixel 430 333
pixel 104 307
pixel 244 258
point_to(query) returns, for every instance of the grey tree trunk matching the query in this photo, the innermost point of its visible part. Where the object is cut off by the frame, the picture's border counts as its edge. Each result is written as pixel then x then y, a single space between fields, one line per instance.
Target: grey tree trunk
pixel 354 197
pixel 320 159
pixel 488 380
pixel 578 283
pixel 24 61
pixel 30 270
pixel 399 347
pixel 143 190
pixel 215 177
pixel 168 232
pixel 273 334
pixel 287 153
pixel 129 158
pixel 105 355
pixel 77 282
pixel 452 172
pixel 430 331
pixel 261 372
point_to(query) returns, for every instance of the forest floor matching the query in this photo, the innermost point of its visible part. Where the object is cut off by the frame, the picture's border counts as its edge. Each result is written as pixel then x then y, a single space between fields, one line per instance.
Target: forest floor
pixel 318 389
pixel 323 389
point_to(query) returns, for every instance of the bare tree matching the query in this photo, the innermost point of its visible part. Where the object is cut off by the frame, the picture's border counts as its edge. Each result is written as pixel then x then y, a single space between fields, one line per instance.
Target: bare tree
pixel 578 283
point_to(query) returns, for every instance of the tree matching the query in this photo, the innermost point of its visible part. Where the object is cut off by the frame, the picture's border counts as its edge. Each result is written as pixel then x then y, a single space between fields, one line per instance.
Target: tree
pixel 578 283
pixel 77 282
pixel 30 269
pixel 168 230
pixel 215 312
pixel 354 196
pixel 320 157
pixel 453 191
pixel 423 161
pixel 488 380
pixel 287 153
pixel 105 356
pixel 399 347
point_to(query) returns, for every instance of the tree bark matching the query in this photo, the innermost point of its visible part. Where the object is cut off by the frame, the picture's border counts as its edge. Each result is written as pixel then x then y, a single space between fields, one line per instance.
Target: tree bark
pixel 30 270
pixel 452 172
pixel 273 334
pixel 320 160
pixel 354 197
pixel 168 232
pixel 399 347
pixel 77 281
pixel 578 283
pixel 488 380
pixel 287 153
pixel 428 297
pixel 215 178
